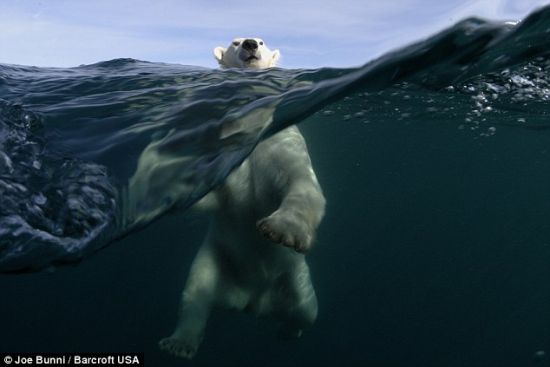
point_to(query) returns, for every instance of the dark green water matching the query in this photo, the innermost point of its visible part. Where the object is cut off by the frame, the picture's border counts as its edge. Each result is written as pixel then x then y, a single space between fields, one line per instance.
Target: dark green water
pixel 434 160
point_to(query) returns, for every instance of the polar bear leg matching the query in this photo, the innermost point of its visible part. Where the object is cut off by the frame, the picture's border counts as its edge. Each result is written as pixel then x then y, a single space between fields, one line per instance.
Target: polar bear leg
pixel 196 303
pixel 301 312
pixel 285 161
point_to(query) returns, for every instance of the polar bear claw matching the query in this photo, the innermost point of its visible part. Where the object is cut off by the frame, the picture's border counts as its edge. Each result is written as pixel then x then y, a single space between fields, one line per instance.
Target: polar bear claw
pixel 179 347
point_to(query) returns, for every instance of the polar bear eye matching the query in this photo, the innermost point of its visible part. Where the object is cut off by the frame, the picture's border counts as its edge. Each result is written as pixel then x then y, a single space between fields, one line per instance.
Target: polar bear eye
pixel 261 43
pixel 236 43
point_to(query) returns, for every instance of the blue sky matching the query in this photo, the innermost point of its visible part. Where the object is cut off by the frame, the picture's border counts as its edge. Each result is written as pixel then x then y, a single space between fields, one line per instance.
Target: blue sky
pixel 308 33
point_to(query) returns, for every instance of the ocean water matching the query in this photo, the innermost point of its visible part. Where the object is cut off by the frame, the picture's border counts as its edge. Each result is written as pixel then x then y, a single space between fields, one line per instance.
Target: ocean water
pixel 434 160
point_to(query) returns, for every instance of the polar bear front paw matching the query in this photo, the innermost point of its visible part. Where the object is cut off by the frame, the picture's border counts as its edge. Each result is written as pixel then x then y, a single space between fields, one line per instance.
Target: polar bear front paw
pixel 286 229
pixel 179 347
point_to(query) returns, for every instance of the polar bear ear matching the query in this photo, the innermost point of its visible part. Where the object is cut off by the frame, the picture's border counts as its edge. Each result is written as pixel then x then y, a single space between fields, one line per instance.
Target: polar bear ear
pixel 218 53
pixel 275 56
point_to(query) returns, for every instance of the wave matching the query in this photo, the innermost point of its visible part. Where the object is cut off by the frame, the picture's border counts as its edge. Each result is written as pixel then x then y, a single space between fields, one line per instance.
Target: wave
pixel 91 153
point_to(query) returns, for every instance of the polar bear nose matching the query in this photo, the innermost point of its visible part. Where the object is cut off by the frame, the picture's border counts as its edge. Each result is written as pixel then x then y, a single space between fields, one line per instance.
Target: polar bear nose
pixel 250 45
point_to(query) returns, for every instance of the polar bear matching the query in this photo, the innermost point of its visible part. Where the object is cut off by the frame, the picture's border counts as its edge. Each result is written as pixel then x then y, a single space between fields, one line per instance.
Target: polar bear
pixel 264 219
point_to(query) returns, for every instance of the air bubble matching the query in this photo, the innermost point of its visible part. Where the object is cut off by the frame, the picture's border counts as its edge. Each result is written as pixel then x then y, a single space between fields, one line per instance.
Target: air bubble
pixel 539 355
pixel 39 199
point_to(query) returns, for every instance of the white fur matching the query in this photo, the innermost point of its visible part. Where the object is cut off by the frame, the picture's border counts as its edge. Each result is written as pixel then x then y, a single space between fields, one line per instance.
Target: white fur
pixel 264 219
pixel 235 56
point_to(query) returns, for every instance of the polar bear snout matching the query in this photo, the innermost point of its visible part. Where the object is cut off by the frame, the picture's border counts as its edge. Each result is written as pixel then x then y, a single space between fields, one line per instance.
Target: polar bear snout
pixel 249 56
pixel 249 50
pixel 250 45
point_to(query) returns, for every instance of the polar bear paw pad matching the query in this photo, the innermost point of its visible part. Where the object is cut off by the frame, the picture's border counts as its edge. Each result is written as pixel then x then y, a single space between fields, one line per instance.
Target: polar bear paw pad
pixel 285 231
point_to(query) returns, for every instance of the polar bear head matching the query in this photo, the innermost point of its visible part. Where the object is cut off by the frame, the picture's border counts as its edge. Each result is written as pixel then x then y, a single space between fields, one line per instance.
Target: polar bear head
pixel 247 53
